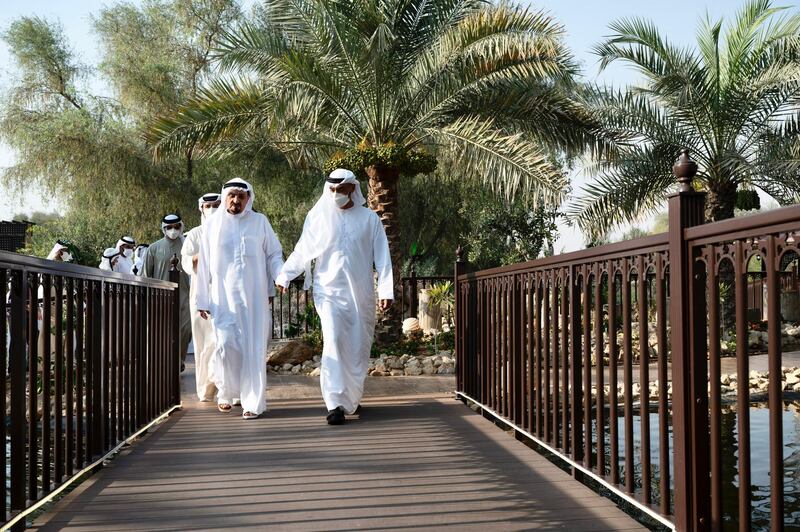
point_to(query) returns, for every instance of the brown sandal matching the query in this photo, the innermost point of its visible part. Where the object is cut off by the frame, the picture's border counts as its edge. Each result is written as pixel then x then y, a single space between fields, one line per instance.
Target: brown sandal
pixel 224 407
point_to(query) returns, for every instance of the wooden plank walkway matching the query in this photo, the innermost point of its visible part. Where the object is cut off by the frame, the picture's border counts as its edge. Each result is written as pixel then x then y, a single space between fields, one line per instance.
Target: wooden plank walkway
pixel 410 461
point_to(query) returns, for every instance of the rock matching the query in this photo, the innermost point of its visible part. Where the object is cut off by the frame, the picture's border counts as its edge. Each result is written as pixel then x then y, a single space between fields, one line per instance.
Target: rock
pixel 413 369
pixel 445 369
pixel 428 369
pixel 397 373
pixel 287 367
pixel 726 379
pixel 317 358
pixel 315 372
pixel 411 325
pixel 394 363
pixel 792 379
pixel 296 369
pixel 294 352
pixel 754 339
pixel 796 387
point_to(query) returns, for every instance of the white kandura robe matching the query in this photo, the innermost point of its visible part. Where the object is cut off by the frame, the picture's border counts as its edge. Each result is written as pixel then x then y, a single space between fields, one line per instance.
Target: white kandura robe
pixel 344 296
pixel 235 273
pixel 202 330
pixel 124 265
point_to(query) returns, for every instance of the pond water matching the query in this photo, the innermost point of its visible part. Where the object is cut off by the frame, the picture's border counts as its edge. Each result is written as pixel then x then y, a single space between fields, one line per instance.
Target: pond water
pixel 759 463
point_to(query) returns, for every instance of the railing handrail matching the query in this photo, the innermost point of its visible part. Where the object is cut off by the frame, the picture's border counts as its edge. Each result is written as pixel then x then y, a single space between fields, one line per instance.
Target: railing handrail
pixel 643 245
pixel 9 260
pixel 736 228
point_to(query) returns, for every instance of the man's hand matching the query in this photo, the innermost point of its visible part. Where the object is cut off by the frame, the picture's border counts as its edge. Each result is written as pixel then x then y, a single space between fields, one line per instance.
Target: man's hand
pixel 282 289
pixel 204 314
pixel 271 299
pixel 386 304
pixel 194 263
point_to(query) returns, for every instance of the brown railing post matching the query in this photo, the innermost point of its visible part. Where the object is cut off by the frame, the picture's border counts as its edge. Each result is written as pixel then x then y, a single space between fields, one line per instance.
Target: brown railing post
pixel 686 209
pixel 457 311
pixel 175 366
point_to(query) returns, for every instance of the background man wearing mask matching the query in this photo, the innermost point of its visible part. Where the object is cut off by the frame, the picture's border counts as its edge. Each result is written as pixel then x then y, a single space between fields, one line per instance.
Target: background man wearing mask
pixel 125 247
pixel 157 264
pixel 239 258
pixel 110 260
pixel 202 330
pixel 345 239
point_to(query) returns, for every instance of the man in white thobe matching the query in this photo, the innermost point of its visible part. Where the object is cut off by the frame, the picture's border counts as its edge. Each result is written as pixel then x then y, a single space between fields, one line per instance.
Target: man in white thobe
pixel 345 239
pixel 110 260
pixel 202 330
pixel 125 247
pixel 240 256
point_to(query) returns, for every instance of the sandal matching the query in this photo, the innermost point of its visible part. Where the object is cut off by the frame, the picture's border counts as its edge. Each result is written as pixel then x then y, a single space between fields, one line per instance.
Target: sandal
pixel 224 407
pixel 249 415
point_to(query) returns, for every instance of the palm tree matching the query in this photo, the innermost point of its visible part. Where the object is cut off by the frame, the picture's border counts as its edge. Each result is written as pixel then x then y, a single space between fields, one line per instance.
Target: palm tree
pixel 733 102
pixel 393 88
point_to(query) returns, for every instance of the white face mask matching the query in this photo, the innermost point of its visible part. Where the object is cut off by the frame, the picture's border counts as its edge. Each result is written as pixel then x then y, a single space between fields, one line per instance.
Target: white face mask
pixel 172 234
pixel 209 211
pixel 66 257
pixel 341 199
pixel 127 253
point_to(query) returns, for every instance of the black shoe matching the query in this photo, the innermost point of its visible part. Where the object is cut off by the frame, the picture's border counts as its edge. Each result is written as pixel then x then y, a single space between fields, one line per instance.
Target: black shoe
pixel 336 416
pixel 357 411
pixel 183 367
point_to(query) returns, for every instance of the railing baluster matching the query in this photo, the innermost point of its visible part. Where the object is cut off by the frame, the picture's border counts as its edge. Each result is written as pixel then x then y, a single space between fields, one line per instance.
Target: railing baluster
pixel 613 355
pixel 554 337
pixel 775 389
pixel 537 356
pixel 80 325
pixel 742 392
pixel 587 369
pixel 575 364
pixel 627 380
pixel 19 297
pixel 548 287
pixel 33 377
pixel 644 378
pixel 599 369
pixel 712 298
pixel 46 377
pixel 59 384
pixel 565 303
pixel 663 398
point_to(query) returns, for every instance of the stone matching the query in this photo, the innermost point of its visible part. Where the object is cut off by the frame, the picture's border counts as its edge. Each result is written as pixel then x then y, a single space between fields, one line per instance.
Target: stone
pixel 287 367
pixel 754 339
pixel 294 352
pixel 428 369
pixel 296 369
pixel 445 369
pixel 380 366
pixel 792 379
pixel 315 372
pixel 317 358
pixel 413 370
pixel 397 373
pixel 411 325
pixel 394 363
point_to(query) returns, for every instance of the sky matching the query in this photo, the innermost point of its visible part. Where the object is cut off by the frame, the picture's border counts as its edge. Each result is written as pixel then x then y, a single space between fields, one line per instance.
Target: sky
pixel 585 21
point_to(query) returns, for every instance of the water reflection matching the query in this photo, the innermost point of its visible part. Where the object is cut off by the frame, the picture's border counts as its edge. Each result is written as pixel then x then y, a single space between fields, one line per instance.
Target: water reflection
pixel 759 462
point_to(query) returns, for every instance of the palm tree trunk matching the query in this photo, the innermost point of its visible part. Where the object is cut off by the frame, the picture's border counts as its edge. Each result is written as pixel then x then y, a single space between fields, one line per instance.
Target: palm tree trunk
pixel 720 201
pixel 383 198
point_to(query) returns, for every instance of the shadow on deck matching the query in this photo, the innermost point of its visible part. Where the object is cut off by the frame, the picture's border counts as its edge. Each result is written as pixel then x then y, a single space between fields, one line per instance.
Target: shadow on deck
pixel 410 461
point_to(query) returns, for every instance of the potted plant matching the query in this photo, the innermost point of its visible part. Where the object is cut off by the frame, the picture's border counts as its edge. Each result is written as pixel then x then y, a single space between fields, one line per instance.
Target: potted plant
pixel 436 299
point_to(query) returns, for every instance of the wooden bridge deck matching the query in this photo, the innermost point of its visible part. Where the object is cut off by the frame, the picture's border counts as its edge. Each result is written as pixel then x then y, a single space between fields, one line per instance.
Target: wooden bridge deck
pixel 410 461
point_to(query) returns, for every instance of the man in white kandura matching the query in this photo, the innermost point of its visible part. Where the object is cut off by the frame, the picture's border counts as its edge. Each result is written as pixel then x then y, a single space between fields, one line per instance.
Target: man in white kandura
pixel 345 239
pixel 202 330
pixel 240 256
pixel 125 247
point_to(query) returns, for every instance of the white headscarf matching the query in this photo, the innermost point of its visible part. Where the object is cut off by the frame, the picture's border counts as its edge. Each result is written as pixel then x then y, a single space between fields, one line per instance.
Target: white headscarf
pixel 171 219
pixel 125 240
pixel 108 256
pixel 218 222
pixel 211 197
pixel 56 248
pixel 323 219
